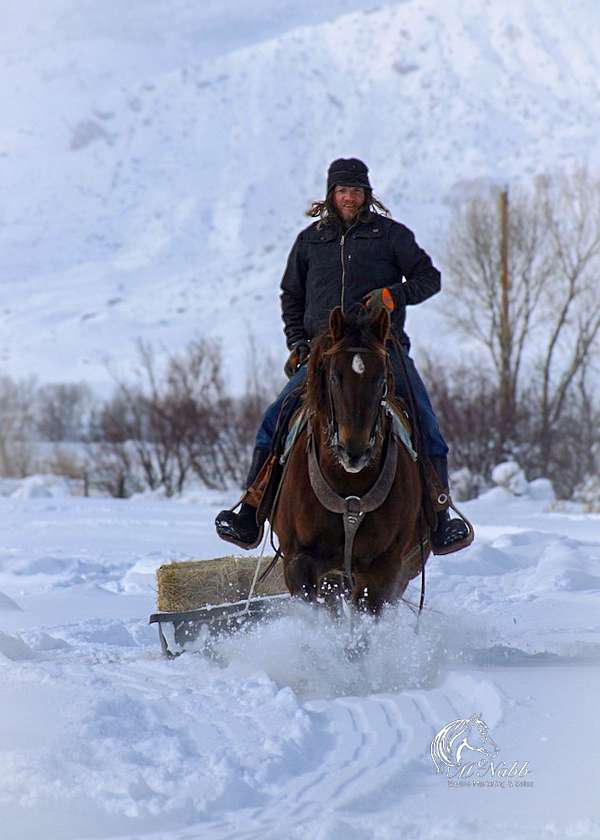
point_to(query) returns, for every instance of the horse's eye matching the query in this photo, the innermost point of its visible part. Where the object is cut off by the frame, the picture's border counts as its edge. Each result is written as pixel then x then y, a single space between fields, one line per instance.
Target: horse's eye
pixel 336 378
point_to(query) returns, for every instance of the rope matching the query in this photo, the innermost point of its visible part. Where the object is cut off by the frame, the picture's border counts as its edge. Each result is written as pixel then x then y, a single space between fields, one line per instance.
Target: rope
pixel 254 579
pixel 420 461
pixel 277 550
pixel 268 535
pixel 271 566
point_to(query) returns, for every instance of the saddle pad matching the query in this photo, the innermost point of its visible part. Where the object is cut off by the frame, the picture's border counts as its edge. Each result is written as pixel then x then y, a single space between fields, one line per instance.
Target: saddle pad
pixel 297 423
pixel 401 426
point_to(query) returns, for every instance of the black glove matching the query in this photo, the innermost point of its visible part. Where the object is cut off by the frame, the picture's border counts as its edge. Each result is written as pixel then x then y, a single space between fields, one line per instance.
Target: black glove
pixel 298 355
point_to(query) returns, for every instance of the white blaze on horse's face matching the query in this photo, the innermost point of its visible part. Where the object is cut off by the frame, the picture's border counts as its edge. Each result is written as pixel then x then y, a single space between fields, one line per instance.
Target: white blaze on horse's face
pixel 355 408
pixel 358 366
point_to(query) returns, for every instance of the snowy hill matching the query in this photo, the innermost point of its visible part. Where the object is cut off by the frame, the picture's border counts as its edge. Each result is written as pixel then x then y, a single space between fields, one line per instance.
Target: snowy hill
pixel 156 162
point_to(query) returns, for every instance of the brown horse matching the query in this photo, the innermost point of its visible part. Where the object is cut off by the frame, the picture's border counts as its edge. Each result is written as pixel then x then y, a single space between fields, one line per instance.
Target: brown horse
pixel 350 435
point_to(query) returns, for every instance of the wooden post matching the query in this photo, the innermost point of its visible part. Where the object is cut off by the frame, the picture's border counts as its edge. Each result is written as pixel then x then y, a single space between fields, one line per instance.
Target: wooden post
pixel 505 328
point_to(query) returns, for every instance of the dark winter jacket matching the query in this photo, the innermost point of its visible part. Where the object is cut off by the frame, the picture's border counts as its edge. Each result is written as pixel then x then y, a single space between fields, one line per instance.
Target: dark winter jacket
pixel 326 266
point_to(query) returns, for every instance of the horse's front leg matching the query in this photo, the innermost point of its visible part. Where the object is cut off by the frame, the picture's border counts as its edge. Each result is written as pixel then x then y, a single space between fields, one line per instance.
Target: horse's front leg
pixel 372 591
pixel 301 574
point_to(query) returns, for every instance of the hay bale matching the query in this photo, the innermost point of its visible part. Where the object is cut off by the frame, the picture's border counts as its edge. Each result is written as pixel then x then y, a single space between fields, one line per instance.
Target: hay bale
pixel 195 583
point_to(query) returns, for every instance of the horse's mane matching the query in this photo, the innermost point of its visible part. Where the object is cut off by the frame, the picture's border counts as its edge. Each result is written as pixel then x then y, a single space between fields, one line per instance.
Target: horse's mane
pixel 358 332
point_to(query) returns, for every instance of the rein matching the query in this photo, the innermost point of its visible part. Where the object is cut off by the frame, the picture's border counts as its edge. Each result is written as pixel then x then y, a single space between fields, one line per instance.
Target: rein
pixel 418 442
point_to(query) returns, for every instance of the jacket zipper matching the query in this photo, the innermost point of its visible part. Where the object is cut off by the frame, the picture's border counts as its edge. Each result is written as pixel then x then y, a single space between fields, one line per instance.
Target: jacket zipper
pixel 343 239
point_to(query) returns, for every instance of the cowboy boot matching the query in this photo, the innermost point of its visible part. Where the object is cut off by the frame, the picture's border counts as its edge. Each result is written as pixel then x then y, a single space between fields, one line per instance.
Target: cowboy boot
pixel 242 528
pixel 448 531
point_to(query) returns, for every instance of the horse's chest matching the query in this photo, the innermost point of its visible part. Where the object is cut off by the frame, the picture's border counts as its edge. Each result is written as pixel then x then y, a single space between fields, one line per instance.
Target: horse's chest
pixel 324 532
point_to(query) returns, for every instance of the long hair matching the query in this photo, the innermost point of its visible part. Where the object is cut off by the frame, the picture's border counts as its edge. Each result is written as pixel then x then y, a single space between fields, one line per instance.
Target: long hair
pixel 325 210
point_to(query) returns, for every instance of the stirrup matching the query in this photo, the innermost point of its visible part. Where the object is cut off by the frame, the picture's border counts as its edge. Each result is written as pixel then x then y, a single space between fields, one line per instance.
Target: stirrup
pixel 459 544
pixel 226 532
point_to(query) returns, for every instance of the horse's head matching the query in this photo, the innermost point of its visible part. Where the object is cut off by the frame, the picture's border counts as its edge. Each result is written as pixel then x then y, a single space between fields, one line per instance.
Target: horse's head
pixel 349 379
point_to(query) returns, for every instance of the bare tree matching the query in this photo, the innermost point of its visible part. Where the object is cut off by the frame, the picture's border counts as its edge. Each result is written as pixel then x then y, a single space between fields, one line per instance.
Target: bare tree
pixel 192 410
pixel 552 321
pixel 138 425
pixel 466 403
pixel 466 400
pixel 63 411
pixel 118 461
pixel 571 213
pixel 177 419
pixel 113 468
pixel 17 426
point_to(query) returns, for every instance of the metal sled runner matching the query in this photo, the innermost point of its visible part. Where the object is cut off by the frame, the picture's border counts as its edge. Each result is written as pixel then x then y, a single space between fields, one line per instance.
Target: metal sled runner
pixel 212 594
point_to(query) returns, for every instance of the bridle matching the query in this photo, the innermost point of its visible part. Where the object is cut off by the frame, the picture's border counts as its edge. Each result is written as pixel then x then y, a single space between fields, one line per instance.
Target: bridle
pixel 352 508
pixel 334 437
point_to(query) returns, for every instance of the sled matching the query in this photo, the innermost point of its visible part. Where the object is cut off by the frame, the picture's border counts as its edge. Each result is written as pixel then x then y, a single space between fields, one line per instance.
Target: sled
pixel 213 594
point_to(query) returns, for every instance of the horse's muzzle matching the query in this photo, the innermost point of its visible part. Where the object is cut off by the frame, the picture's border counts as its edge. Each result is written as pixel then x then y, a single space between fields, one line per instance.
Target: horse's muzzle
pixel 351 461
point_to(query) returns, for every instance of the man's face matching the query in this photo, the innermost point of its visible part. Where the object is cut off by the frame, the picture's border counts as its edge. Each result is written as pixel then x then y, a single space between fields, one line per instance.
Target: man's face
pixel 348 201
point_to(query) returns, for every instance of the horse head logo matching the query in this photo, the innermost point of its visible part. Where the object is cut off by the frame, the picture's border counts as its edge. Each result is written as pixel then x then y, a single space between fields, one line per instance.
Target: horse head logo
pixel 450 743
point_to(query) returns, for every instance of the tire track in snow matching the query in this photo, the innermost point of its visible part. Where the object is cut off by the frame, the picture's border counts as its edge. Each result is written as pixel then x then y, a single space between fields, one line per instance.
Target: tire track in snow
pixel 352 750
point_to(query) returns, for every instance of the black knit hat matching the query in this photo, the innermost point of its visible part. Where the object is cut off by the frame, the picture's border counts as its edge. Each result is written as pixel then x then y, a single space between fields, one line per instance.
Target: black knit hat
pixel 348 172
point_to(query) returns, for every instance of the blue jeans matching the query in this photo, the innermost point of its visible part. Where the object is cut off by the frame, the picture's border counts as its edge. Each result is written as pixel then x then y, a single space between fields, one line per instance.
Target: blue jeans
pixel 266 430
pixel 433 440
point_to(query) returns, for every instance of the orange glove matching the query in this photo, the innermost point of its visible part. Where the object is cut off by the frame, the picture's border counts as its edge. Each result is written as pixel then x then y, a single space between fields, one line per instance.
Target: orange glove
pixel 380 299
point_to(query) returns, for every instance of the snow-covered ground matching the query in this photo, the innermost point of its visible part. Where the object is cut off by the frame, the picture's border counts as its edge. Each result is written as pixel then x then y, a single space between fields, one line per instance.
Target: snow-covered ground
pixel 276 733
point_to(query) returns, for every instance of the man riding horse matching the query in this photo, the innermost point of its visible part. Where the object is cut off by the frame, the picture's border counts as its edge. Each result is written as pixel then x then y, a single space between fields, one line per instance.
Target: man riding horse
pixel 354 253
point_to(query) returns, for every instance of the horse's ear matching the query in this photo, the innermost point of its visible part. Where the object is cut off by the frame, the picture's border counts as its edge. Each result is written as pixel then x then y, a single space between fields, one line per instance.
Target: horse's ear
pixel 381 325
pixel 336 324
